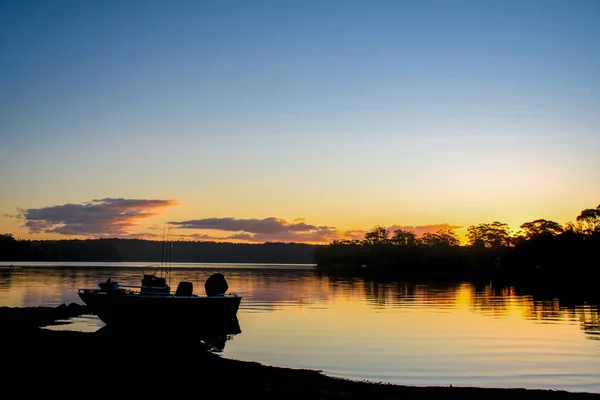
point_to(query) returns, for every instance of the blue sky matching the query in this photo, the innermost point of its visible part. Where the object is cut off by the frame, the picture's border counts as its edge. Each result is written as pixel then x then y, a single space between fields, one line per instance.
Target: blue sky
pixel 342 114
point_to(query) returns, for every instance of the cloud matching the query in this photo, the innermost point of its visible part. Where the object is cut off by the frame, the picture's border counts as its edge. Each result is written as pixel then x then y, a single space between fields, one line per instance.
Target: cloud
pixel 319 235
pixel 269 225
pixel 262 230
pixel 98 218
pixel 421 229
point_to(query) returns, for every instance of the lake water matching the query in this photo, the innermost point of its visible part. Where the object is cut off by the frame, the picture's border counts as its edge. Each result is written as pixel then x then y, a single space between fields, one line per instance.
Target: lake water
pixel 404 333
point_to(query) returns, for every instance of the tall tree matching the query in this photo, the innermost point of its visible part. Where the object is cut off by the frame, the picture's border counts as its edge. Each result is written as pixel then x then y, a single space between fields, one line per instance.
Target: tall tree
pixel 379 235
pixel 541 227
pixel 495 234
pixel 448 236
pixel 589 221
pixel 443 236
pixel 401 237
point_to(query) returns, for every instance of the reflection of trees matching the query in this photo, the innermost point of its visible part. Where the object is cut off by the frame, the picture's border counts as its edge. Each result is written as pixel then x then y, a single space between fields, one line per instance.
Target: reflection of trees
pixel 406 293
pixel 544 306
pixel 546 311
pixel 484 298
pixel 587 316
pixel 492 300
pixel 381 294
pixel 5 279
pixel 590 321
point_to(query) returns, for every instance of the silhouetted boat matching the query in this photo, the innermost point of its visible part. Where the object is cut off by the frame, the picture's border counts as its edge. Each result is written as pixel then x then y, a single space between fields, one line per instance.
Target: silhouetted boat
pixel 154 305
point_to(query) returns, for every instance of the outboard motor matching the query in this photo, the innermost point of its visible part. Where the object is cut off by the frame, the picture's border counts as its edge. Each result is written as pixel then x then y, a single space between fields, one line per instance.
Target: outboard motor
pixel 216 285
pixel 184 289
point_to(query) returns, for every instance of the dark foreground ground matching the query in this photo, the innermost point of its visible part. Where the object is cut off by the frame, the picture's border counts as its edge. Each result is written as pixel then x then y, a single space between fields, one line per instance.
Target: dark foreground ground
pixel 78 365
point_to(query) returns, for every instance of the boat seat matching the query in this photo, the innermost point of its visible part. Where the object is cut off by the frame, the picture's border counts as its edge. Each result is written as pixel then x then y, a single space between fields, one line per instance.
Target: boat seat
pixel 184 289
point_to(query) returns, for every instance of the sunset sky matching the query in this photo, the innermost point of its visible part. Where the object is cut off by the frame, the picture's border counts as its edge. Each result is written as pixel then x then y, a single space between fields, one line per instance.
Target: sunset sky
pixel 303 121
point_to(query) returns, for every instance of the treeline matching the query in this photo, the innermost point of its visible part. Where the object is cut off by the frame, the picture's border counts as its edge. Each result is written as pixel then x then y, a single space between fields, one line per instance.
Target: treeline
pixel 137 250
pixel 541 249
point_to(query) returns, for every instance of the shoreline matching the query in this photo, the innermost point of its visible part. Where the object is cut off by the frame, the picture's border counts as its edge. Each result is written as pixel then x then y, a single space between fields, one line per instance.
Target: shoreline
pixel 80 363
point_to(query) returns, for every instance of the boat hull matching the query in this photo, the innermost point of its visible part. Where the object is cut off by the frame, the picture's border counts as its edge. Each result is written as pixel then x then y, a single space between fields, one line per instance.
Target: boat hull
pixel 161 311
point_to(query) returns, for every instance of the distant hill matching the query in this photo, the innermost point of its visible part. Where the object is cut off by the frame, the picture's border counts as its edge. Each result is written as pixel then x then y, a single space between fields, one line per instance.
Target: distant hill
pixel 133 250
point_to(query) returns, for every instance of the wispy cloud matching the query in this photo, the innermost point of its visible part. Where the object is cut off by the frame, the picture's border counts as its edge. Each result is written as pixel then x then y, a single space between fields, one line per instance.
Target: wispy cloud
pixel 98 218
pixel 261 230
pixel 269 225
pixel 421 229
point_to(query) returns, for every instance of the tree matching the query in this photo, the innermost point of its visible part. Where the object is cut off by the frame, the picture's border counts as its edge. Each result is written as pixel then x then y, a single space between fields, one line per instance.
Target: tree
pixel 541 227
pixel 346 242
pixel 379 235
pixel 589 221
pixel 448 236
pixel 441 237
pixel 404 238
pixel 7 238
pixel 496 234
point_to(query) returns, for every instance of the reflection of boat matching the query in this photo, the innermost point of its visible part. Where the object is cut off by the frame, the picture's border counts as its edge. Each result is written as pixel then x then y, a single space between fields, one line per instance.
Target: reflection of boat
pixel 212 336
pixel 154 305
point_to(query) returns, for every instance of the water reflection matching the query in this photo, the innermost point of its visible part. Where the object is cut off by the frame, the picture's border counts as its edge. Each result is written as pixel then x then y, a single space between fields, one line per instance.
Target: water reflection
pixel 589 320
pixel 438 333
pixel 274 289
pixel 535 303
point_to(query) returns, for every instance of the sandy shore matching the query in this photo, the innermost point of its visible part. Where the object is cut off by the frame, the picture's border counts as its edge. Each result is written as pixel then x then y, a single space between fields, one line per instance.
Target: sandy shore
pixel 73 364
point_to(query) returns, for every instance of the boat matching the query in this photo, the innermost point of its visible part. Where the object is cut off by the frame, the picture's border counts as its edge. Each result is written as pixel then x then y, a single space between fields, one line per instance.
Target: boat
pixel 154 305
